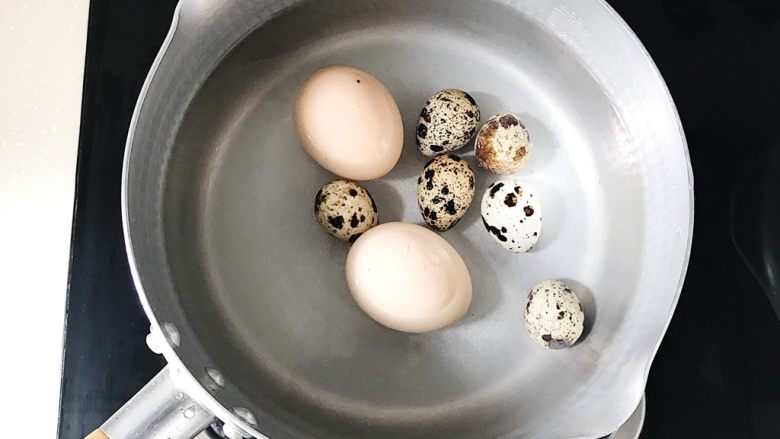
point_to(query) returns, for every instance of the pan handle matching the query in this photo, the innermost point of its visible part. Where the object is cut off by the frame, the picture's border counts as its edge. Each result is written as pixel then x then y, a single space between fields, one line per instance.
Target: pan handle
pixel 159 410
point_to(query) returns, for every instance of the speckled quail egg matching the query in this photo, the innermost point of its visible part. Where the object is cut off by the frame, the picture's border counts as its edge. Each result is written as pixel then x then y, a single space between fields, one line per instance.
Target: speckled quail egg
pixel 447 122
pixel 345 210
pixel 503 144
pixel 445 189
pixel 553 315
pixel 512 214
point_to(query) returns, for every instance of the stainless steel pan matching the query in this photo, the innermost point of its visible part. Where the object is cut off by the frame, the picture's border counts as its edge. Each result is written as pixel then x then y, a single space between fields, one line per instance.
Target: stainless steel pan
pixel 247 298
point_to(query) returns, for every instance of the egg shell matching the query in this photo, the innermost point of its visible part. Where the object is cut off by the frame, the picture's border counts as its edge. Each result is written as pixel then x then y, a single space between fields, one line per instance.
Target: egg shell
pixel 445 189
pixel 447 122
pixel 512 215
pixel 408 278
pixel 349 123
pixel 553 315
pixel 503 144
pixel 345 210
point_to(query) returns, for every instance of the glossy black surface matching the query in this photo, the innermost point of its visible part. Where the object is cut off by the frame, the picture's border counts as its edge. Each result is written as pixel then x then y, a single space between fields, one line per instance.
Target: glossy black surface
pixel 716 374
pixel 106 358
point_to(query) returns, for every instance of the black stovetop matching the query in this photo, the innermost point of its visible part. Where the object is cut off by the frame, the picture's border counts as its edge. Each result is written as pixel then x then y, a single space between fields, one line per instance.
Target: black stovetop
pixel 716 373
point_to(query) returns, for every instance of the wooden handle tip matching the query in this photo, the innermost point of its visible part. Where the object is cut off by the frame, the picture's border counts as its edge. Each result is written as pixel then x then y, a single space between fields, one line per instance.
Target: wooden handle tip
pixel 97 434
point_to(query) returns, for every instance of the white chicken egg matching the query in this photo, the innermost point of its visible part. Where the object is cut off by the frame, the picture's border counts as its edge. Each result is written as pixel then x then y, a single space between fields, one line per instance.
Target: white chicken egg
pixel 512 215
pixel 408 278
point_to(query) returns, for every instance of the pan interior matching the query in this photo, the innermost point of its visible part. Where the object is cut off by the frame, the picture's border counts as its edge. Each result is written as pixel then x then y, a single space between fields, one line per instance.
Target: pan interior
pixel 264 286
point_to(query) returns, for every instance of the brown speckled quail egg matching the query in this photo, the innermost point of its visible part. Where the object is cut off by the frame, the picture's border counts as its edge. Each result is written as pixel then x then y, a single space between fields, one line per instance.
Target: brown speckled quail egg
pixel 503 144
pixel 447 122
pixel 345 210
pixel 445 189
pixel 553 315
pixel 512 215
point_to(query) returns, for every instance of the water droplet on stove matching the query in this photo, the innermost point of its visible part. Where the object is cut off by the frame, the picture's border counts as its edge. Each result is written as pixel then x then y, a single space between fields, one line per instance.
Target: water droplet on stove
pixel 189 412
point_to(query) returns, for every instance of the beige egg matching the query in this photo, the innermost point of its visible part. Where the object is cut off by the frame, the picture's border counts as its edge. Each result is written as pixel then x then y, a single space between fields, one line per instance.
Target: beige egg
pixel 408 278
pixel 503 144
pixel 349 123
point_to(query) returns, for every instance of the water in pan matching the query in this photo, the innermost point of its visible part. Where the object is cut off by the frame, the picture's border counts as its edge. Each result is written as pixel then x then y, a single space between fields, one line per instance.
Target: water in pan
pixel 250 255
